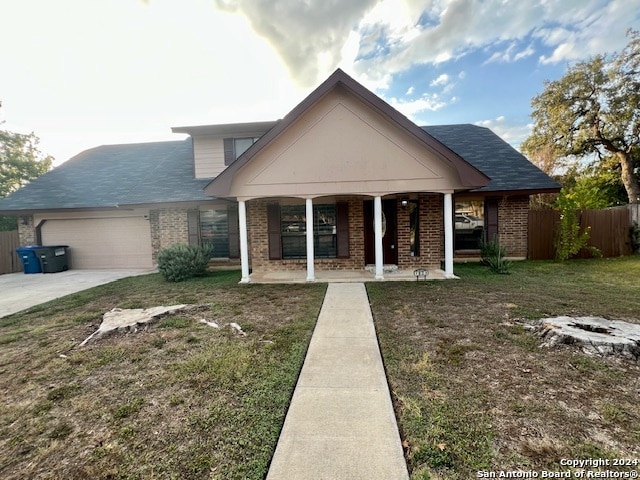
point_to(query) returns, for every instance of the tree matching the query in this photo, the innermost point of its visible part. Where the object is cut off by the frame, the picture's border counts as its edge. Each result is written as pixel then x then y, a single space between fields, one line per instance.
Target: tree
pixel 593 111
pixel 20 162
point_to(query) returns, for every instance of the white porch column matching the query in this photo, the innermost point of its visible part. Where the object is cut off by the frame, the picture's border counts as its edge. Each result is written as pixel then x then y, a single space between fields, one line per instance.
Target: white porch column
pixel 377 229
pixel 448 236
pixel 244 244
pixel 310 254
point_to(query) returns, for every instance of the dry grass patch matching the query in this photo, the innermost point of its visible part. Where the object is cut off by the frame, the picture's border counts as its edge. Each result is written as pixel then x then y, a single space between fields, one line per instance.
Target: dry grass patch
pixel 473 389
pixel 176 400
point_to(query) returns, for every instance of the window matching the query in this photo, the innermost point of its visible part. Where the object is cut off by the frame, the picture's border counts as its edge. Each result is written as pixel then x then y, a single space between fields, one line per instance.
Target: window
pixel 414 226
pixel 242 145
pixel 293 229
pixel 234 147
pixel 469 224
pixel 214 231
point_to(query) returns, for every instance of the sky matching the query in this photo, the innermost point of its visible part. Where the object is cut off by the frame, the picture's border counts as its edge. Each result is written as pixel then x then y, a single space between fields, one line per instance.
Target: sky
pixel 83 73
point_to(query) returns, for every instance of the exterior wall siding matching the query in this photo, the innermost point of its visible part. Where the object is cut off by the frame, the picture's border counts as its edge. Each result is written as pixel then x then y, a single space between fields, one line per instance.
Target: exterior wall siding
pixel 208 153
pixel 513 224
pixel 168 226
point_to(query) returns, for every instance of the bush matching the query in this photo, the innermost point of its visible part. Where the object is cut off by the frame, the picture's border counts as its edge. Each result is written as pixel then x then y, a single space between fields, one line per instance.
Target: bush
pixel 570 237
pixel 493 256
pixel 180 262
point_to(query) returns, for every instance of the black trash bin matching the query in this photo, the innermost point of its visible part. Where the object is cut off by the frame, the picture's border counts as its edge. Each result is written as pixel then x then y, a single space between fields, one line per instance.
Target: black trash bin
pixel 53 259
pixel 29 257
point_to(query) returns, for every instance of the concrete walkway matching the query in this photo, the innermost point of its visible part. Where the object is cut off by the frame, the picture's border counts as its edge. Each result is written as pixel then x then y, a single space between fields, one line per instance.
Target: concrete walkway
pixel 341 424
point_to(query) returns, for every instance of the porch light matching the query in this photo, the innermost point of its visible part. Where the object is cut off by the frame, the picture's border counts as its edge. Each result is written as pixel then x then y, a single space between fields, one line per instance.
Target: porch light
pixel 404 202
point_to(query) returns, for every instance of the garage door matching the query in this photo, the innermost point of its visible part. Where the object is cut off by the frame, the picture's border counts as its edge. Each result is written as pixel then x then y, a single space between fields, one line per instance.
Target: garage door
pixel 123 242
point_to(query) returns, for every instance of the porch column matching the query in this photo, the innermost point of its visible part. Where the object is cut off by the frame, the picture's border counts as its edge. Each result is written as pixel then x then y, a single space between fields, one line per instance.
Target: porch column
pixel 448 236
pixel 377 229
pixel 310 256
pixel 244 244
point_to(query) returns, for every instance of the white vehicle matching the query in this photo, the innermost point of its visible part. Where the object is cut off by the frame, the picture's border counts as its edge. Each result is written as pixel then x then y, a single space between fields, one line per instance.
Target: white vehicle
pixel 467 223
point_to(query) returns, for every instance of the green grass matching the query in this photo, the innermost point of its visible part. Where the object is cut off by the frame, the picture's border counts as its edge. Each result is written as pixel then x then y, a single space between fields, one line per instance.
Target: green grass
pixel 178 399
pixel 471 386
pixel 473 389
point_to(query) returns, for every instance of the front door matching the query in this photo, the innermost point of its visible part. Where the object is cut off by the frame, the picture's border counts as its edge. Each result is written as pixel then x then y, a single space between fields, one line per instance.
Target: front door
pixel 389 233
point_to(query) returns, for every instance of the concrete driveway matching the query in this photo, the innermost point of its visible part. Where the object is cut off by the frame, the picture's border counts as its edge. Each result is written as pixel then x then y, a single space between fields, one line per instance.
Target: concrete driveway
pixel 19 291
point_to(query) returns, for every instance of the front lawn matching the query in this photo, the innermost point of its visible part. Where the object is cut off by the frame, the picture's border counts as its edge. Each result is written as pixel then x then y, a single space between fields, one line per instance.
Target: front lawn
pixel 474 391
pixel 177 400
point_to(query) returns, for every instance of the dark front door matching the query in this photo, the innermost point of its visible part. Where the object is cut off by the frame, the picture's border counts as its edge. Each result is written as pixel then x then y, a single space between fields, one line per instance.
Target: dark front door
pixel 389 230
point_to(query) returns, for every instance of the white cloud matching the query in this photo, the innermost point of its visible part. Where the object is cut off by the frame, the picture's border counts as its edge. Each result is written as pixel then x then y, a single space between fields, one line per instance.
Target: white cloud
pixel 440 81
pixel 308 36
pixel 410 90
pixel 572 28
pixel 411 108
pixel 513 53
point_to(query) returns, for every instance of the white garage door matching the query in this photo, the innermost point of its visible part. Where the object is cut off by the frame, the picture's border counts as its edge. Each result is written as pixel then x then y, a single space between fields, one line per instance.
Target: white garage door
pixel 123 242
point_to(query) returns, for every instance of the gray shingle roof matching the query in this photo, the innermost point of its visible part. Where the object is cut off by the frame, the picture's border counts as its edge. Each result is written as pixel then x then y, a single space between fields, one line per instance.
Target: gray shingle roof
pixel 503 164
pixel 111 175
pixel 162 172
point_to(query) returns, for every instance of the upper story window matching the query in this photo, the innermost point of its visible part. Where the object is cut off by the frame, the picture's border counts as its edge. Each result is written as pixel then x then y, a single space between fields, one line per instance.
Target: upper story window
pixel 234 147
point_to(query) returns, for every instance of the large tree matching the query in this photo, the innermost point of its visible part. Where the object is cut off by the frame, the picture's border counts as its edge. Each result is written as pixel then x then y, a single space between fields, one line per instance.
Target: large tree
pixel 20 162
pixel 593 111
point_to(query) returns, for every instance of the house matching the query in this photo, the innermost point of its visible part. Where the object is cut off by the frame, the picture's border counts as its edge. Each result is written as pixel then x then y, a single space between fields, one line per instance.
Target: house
pixel 341 182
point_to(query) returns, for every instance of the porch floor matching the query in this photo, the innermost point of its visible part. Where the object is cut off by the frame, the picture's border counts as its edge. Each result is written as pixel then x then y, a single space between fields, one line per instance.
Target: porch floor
pixel 341 276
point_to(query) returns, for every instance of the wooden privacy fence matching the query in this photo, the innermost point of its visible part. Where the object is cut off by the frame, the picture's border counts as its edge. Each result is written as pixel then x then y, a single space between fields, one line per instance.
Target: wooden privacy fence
pixel 634 213
pixel 9 261
pixel 609 232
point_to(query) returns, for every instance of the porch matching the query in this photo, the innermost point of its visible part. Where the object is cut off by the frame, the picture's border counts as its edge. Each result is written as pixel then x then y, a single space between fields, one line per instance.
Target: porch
pixel 344 276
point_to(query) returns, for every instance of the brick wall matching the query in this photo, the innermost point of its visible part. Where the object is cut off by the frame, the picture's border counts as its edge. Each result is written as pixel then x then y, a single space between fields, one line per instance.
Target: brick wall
pixel 513 217
pixel 431 247
pixel 168 227
pixel 27 233
pixel 259 241
pixel 431 240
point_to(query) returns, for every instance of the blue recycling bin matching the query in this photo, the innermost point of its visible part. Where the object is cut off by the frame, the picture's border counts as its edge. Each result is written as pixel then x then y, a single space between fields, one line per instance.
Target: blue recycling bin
pixel 30 260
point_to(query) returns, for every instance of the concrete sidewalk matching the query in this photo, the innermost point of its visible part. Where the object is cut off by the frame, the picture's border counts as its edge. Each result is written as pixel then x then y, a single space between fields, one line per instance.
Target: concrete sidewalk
pixel 341 424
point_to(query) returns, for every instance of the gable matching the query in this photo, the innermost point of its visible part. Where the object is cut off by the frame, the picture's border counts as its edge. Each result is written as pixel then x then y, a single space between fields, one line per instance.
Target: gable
pixel 344 143
pixel 340 147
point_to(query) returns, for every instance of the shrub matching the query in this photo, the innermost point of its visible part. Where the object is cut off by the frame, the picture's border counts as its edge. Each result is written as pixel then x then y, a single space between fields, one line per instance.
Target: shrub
pixel 570 237
pixel 180 262
pixel 493 256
